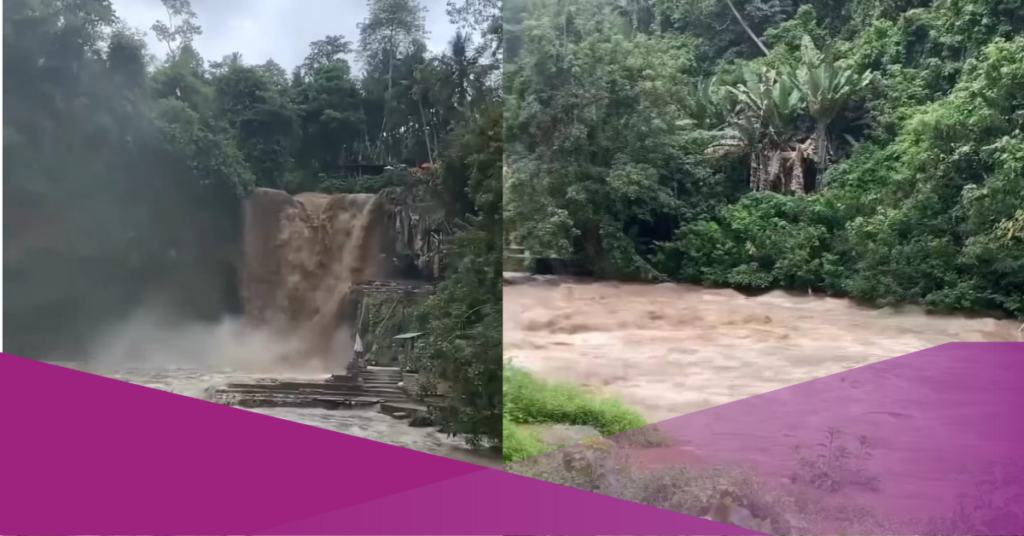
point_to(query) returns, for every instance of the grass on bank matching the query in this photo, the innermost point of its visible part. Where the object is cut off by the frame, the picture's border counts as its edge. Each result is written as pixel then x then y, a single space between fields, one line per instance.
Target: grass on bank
pixel 519 444
pixel 529 400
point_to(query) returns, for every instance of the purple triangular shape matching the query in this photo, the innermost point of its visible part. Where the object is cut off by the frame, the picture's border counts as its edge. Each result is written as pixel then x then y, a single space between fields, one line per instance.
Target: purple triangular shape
pixel 927 416
pixel 88 454
pixel 491 499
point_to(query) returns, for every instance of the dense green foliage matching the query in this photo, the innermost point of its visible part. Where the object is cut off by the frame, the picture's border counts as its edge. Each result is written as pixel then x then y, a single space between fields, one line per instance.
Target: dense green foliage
pixel 123 172
pixel 114 187
pixel 462 318
pixel 532 401
pixel 520 444
pixel 868 148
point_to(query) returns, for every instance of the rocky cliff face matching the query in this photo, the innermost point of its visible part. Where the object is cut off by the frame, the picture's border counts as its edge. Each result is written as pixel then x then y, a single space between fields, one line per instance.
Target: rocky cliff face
pixel 415 244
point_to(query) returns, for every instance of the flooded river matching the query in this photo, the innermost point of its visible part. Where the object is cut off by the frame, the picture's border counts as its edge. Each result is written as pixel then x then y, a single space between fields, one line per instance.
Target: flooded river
pixel 669 350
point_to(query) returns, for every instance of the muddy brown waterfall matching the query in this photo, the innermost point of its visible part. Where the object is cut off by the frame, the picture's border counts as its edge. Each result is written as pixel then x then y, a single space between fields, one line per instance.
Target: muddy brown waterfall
pixel 302 255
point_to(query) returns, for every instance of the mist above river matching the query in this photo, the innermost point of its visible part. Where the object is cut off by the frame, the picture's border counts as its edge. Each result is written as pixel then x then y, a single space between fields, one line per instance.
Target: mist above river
pixel 152 338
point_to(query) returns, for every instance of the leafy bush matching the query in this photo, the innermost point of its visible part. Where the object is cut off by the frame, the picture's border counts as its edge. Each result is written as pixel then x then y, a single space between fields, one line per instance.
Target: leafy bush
pixel 534 401
pixel 995 507
pixel 520 444
pixel 766 240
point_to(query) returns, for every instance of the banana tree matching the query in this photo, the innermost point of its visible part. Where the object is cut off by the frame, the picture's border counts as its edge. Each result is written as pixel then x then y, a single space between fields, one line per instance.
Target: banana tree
pixel 710 105
pixel 713 107
pixel 827 87
pixel 796 162
pixel 769 105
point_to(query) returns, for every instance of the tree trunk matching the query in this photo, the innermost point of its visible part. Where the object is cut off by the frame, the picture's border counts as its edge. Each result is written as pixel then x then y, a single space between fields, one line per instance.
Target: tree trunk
pixel 747 28
pixel 774 164
pixel 760 173
pixel 437 126
pixel 755 170
pixel 821 143
pixel 764 175
pixel 797 180
pixel 384 120
pixel 426 132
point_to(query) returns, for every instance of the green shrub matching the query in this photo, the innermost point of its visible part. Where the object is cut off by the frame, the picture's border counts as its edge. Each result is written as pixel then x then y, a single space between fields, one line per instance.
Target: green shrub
pixel 530 400
pixel 766 240
pixel 519 444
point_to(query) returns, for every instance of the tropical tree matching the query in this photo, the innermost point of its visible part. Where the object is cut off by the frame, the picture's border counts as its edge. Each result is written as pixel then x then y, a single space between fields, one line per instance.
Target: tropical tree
pixel 483 17
pixel 393 30
pixel 258 110
pixel 330 109
pixel 327 51
pixel 639 15
pixel 419 88
pixel 180 29
pixel 769 106
pixel 711 105
pixel 827 87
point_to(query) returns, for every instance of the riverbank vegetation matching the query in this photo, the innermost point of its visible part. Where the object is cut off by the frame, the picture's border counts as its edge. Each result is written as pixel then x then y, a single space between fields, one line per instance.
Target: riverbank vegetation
pixel 864 148
pixel 530 400
pixel 532 404
pixel 123 171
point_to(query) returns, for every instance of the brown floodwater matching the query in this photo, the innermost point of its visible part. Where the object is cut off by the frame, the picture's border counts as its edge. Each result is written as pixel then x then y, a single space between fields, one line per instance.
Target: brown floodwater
pixel 669 349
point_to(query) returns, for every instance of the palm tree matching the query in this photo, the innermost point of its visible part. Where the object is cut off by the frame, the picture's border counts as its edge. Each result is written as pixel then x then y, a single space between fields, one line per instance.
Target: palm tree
pixel 761 117
pixel 757 118
pixel 827 87
pixel 711 105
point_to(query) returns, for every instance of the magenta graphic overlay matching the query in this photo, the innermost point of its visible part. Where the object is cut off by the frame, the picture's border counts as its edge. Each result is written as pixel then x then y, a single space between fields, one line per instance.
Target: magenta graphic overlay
pixel 84 454
pixel 944 428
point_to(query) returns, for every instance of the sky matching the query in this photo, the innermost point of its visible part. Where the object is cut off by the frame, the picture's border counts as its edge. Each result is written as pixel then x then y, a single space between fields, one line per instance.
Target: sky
pixel 278 29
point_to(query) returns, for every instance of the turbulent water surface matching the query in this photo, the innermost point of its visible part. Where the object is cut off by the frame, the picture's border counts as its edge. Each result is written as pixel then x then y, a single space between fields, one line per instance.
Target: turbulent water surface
pixel 671 350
